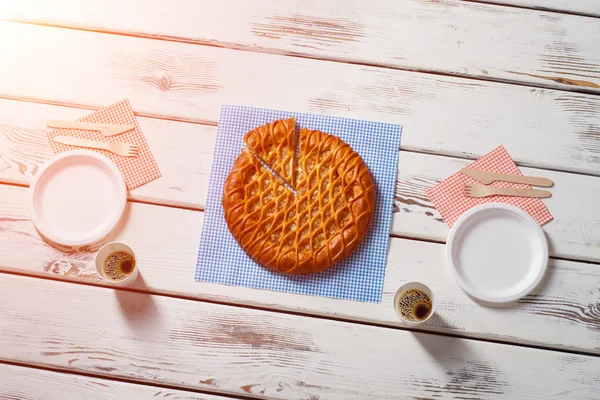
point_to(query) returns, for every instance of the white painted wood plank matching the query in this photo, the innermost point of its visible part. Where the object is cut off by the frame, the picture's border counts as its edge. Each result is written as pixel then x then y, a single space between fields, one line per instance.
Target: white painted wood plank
pixel 22 383
pixel 184 154
pixel 451 116
pixel 562 313
pixel 448 36
pixel 584 7
pixel 245 351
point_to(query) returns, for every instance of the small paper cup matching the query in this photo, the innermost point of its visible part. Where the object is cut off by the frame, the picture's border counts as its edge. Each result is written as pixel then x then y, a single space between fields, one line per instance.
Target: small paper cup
pixel 104 252
pixel 408 286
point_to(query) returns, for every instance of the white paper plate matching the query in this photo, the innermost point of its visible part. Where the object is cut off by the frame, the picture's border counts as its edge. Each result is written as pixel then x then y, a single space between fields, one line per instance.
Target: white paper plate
pixel 77 198
pixel 497 252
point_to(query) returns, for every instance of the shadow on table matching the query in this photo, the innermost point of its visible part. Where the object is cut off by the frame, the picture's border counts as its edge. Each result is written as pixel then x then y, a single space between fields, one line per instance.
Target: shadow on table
pixel 437 321
pixel 139 310
pixel 467 372
pixel 445 350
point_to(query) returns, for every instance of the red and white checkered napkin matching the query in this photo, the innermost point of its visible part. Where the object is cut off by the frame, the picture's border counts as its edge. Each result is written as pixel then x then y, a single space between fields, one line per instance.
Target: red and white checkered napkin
pixel 136 170
pixel 448 198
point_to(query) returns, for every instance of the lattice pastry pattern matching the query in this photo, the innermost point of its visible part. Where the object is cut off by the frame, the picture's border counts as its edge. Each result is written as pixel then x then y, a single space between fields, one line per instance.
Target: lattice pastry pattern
pixel 275 145
pixel 306 232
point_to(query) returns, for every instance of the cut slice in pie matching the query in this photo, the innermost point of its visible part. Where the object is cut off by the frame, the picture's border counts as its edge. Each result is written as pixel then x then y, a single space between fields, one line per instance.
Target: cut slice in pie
pixel 275 144
pixel 310 230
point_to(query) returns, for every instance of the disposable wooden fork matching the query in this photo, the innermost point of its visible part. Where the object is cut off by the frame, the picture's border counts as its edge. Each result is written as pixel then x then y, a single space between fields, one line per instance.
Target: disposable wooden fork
pixel 121 149
pixel 473 190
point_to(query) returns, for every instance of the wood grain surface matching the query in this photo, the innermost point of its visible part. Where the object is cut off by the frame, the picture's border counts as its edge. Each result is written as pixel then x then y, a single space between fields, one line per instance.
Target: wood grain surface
pixel 583 7
pixel 449 36
pixel 184 153
pixel 235 350
pixel 563 313
pixel 21 383
pixel 444 115
pixel 461 77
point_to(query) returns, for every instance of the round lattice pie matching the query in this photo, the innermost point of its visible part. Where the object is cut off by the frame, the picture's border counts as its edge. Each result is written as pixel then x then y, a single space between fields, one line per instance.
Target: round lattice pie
pixel 320 224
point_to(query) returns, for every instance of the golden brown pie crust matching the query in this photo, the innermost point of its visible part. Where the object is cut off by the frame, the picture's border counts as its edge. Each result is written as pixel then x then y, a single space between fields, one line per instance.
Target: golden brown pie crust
pixel 323 223
pixel 275 145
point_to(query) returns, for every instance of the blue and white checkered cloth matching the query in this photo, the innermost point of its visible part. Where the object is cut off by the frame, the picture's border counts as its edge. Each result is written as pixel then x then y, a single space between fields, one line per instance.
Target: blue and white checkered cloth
pixel 360 276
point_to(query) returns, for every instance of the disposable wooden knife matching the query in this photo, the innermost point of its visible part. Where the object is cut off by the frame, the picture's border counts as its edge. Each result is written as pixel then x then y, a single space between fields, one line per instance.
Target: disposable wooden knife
pixel 104 129
pixel 486 177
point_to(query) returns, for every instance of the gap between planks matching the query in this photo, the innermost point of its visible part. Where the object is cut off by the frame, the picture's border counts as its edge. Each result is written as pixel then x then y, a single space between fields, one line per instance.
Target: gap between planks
pixel 314 315
pixel 419 239
pixel 162 203
pixel 266 50
pixel 149 383
pixel 534 8
pixel 95 108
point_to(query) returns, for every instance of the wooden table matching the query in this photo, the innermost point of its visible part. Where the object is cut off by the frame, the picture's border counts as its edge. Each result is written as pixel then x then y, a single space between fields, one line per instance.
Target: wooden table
pixel 461 76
